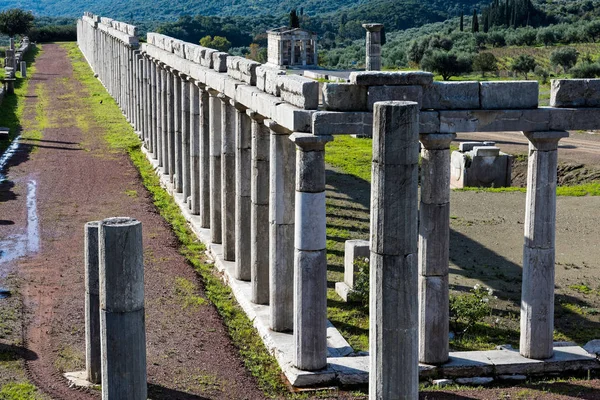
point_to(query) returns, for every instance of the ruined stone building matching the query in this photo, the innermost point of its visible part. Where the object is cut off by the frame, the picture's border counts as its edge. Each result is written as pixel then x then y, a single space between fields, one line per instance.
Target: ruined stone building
pixel 290 47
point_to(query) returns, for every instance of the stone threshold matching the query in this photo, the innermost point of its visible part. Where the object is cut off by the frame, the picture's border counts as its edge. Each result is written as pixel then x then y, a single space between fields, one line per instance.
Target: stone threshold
pixel 344 366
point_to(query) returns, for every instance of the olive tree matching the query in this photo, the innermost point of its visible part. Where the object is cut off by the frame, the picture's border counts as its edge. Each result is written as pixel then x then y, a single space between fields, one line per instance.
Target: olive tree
pixel 15 22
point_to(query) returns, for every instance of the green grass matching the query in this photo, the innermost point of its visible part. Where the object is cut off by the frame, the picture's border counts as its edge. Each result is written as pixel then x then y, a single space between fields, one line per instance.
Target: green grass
pixel 19 391
pixel 121 137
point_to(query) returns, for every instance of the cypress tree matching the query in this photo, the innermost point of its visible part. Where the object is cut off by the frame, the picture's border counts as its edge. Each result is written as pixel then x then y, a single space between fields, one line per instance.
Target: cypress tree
pixel 462 21
pixel 294 20
pixel 475 23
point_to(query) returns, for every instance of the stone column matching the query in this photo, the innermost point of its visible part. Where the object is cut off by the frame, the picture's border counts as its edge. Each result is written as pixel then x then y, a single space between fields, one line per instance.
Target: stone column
pixel 169 168
pixel 23 69
pixel 259 214
pixel 194 101
pixel 537 295
pixel 281 235
pixel 243 173
pixel 373 60
pixel 177 168
pixel 393 331
pixel 205 192
pixel 153 108
pixel 93 364
pixel 434 239
pixel 310 261
pixel 159 113
pixel 123 339
pixel 303 52
pixel 227 178
pixel 164 102
pixel 215 166
pixel 185 159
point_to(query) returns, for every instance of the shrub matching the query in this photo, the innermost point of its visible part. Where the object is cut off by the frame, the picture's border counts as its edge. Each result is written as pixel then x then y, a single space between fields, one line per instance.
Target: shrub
pixel 542 74
pixel 466 310
pixel 360 292
pixel 566 57
pixel 53 33
pixel 523 64
pixel 485 62
pixel 586 70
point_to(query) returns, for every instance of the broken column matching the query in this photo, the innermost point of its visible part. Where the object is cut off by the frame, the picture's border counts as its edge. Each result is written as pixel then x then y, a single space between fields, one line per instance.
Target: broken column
pixel 373 59
pixel 281 234
pixel 93 364
pixel 393 331
pixel 123 339
pixel 310 260
pixel 434 239
pixel 353 250
pixel 259 214
pixel 23 69
pixel 215 166
pixel 537 296
pixel 243 173
pixel 227 178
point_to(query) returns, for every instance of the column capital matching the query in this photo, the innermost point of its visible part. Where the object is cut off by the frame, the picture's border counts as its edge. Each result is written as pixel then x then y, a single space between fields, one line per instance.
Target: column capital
pixel 255 116
pixel 373 27
pixel 275 128
pixel 200 85
pixel 222 97
pixel 545 140
pixel 238 106
pixel 212 92
pixel 181 75
pixel 310 142
pixel 436 141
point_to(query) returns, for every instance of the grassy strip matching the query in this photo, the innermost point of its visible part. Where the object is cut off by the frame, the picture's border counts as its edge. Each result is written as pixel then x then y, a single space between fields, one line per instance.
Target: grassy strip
pixel 120 136
pixel 12 107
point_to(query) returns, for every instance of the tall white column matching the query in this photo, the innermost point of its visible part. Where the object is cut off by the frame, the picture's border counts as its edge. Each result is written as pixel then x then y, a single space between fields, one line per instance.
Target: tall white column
pixel 537 294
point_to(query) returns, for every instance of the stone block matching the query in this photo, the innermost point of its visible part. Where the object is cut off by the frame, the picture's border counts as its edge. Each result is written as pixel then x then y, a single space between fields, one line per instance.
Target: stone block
pixel 467 146
pixel 451 96
pixel 353 249
pixel 442 382
pixel 299 91
pixel 332 123
pixel 293 118
pixel 380 78
pixel 219 61
pixel 344 97
pixel 242 69
pixel 486 151
pixel 178 47
pixel 429 122
pixel 568 92
pixel 469 170
pixel 509 95
pixel 540 119
pixel 593 347
pixel 266 79
pixel 475 381
pixel 575 93
pixel 394 93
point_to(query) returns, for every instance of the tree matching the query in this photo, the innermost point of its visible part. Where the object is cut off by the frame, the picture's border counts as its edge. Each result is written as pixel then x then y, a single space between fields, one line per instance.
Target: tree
pixel 462 21
pixel 446 64
pixel 475 22
pixel 15 22
pixel 218 43
pixel 566 57
pixel 523 64
pixel 294 20
pixel 485 62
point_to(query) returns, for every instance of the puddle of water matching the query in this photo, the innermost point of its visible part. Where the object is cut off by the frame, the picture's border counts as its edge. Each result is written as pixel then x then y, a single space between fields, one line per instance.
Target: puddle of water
pixel 10 151
pixel 19 245
pixel 33 225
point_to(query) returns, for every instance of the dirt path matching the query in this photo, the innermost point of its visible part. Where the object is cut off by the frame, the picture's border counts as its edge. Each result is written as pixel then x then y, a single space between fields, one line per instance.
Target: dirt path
pixel 56 184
